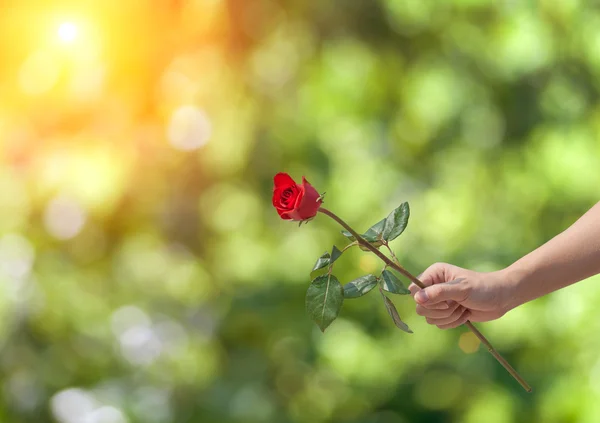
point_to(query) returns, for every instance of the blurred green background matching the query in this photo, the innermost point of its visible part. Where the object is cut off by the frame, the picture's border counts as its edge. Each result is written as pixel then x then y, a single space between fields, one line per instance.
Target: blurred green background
pixel 145 276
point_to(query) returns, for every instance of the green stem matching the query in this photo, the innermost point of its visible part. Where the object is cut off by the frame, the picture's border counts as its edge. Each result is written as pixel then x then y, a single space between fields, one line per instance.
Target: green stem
pixel 353 244
pixel 374 250
pixel 396 266
pixel 394 258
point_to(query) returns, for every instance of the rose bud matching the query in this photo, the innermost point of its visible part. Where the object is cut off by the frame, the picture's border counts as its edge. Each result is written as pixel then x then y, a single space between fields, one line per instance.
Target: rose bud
pixel 293 201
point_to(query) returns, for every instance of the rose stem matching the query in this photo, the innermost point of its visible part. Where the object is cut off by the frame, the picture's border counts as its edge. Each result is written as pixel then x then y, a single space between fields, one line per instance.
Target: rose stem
pixel 417 282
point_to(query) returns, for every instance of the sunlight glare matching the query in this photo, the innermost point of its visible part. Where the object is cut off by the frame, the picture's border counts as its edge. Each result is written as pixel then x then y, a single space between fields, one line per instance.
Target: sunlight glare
pixel 67 32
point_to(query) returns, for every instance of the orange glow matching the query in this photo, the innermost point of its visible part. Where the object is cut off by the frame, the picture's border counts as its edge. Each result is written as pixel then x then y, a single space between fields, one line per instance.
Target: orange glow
pixel 128 78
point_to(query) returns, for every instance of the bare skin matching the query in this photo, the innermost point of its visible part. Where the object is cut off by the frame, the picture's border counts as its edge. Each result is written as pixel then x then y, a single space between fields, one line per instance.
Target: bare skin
pixel 455 295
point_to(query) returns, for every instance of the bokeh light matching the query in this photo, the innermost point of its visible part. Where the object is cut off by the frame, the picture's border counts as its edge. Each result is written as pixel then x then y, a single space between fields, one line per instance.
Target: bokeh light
pixel 189 128
pixel 64 217
pixel 468 343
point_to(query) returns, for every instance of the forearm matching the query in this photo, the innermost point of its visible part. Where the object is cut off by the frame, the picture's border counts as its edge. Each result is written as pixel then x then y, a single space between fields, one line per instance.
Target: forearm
pixel 569 257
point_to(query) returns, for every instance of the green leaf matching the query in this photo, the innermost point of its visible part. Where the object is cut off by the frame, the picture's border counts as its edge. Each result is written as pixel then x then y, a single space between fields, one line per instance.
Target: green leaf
pixel 373 235
pixel 325 260
pixel 392 284
pixel 360 286
pixel 335 254
pixel 324 299
pixel 391 309
pixel 322 262
pixel 348 235
pixel 396 222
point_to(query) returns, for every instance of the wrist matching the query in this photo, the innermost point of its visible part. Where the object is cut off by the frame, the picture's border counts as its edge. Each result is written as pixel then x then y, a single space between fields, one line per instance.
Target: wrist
pixel 513 279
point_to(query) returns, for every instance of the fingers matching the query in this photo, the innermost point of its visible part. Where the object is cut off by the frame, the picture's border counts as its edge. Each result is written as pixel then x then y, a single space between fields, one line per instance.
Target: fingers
pixel 439 306
pixel 437 313
pixel 452 317
pixel 439 302
pixel 460 321
pixel 456 290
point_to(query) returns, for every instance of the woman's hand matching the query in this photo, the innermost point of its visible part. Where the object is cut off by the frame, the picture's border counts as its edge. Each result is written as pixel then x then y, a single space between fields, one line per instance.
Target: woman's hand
pixel 454 295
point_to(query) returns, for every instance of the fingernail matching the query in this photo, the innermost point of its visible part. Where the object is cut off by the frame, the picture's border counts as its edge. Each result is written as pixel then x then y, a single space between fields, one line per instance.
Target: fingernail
pixel 421 297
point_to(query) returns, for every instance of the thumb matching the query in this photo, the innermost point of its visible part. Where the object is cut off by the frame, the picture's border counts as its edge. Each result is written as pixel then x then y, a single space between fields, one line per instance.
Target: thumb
pixel 456 290
pixel 437 273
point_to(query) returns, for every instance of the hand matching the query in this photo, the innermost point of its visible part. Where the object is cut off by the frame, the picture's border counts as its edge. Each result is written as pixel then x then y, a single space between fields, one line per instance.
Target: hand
pixel 454 295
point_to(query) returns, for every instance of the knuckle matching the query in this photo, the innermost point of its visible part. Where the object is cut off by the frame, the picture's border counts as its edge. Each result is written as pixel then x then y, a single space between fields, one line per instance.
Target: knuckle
pixel 451 317
pixel 453 307
pixel 464 288
pixel 455 315
pixel 458 311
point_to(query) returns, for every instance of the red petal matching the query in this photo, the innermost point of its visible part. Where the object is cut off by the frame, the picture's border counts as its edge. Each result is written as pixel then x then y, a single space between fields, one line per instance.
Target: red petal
pixel 310 203
pixel 286 204
pixel 291 215
pixel 283 180
pixel 299 196
pixel 284 214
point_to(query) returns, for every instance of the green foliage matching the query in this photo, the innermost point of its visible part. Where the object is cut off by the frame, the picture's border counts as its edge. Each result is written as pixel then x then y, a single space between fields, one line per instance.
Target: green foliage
pixel 360 286
pixel 324 299
pixel 335 254
pixel 391 309
pixel 322 261
pixel 386 229
pixel 392 284
pixel 326 260
pixel 396 222
pixel 372 235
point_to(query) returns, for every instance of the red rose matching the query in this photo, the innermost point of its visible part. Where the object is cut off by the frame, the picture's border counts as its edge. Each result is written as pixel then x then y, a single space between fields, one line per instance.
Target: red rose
pixel 293 201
